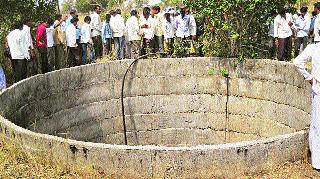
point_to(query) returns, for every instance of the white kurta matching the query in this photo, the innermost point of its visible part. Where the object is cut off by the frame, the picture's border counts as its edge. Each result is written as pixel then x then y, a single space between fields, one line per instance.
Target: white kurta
pixel 312 52
pixel 314 134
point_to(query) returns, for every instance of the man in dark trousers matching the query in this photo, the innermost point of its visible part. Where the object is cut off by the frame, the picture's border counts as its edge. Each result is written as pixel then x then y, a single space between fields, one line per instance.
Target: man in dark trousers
pixel 41 43
pixel 19 51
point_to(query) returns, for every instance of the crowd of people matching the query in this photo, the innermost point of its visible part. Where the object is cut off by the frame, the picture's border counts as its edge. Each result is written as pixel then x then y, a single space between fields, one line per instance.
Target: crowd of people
pixel 298 30
pixel 65 42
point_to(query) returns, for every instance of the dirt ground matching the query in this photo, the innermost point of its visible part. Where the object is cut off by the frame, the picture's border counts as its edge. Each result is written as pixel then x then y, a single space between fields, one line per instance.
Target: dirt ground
pixel 299 169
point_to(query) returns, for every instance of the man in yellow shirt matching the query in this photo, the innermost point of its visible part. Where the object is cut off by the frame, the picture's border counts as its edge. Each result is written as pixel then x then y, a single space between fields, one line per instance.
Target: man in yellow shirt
pixel 59 37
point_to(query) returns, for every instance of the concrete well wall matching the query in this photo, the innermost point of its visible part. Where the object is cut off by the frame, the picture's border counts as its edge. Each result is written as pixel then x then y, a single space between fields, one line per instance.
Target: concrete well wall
pixel 181 121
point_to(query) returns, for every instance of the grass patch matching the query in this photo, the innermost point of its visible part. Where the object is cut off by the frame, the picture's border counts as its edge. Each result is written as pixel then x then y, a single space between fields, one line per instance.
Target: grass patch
pixel 17 163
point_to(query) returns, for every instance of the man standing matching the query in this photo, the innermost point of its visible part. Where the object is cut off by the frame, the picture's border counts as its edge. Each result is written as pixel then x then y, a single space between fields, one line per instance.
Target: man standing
pixel 303 26
pixel 51 55
pixel 32 66
pixel 41 43
pixel 158 45
pixel 85 40
pixel 96 31
pixel 59 37
pixel 73 52
pixel 147 25
pixel 283 34
pixel 183 26
pixel 107 35
pixel 312 52
pixel 118 29
pixel 317 23
pixel 134 38
pixel 19 52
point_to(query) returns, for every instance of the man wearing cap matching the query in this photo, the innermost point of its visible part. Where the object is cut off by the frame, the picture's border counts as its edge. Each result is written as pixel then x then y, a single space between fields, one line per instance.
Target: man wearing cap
pixel 312 52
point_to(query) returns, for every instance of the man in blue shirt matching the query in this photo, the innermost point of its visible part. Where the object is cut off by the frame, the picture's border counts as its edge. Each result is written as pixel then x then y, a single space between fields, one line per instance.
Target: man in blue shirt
pixel 303 26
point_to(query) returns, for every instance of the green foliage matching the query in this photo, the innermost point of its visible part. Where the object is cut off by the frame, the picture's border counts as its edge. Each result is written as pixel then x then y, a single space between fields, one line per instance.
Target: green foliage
pixel 223 72
pixel 178 49
pixel 67 5
pixel 83 6
pixel 13 10
pixel 240 26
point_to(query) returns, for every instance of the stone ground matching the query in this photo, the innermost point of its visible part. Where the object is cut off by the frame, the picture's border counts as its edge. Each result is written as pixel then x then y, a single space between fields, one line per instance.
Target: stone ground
pixel 18 164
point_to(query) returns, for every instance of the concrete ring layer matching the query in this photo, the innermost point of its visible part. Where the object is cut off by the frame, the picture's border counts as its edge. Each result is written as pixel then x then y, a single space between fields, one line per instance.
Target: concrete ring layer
pixel 185 118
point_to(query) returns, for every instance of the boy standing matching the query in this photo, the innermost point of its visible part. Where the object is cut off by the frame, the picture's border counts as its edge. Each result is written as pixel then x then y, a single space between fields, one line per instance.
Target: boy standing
pixel 86 40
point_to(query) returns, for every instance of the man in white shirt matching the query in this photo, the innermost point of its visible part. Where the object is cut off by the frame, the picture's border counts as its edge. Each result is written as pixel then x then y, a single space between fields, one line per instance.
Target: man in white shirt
pixel 19 51
pixel 316 29
pixel 85 40
pixel 303 26
pixel 51 54
pixel 168 31
pixel 183 25
pixel 96 26
pixel 133 30
pixel 283 24
pixel 73 53
pixel 118 29
pixel 193 30
pixel 32 66
pixel 312 52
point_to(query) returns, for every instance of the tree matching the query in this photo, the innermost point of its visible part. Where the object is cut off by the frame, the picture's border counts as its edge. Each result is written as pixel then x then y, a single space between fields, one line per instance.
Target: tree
pixel 67 5
pixel 236 28
pixel 83 6
pixel 13 10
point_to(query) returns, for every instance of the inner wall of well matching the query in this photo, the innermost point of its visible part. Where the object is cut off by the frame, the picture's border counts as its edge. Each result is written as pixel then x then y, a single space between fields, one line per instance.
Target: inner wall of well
pixel 170 102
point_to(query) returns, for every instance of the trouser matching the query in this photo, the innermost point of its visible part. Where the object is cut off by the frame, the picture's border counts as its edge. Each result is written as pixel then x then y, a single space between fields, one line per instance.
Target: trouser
pixel 119 47
pixel 170 47
pixel 84 53
pixel 158 44
pixel 32 66
pixel 185 42
pixel 300 41
pixel 73 56
pixel 284 49
pixel 135 49
pixel 314 135
pixel 108 47
pixel 146 46
pixel 97 45
pixel 60 56
pixel 44 59
pixel 19 69
pixel 272 47
pixel 3 83
pixel 51 58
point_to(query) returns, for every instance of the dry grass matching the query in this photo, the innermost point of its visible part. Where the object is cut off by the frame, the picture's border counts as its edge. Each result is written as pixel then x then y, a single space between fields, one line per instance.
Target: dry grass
pixel 16 163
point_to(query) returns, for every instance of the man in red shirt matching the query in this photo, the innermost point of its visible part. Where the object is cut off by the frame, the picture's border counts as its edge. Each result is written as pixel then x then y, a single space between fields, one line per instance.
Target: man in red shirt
pixel 41 43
